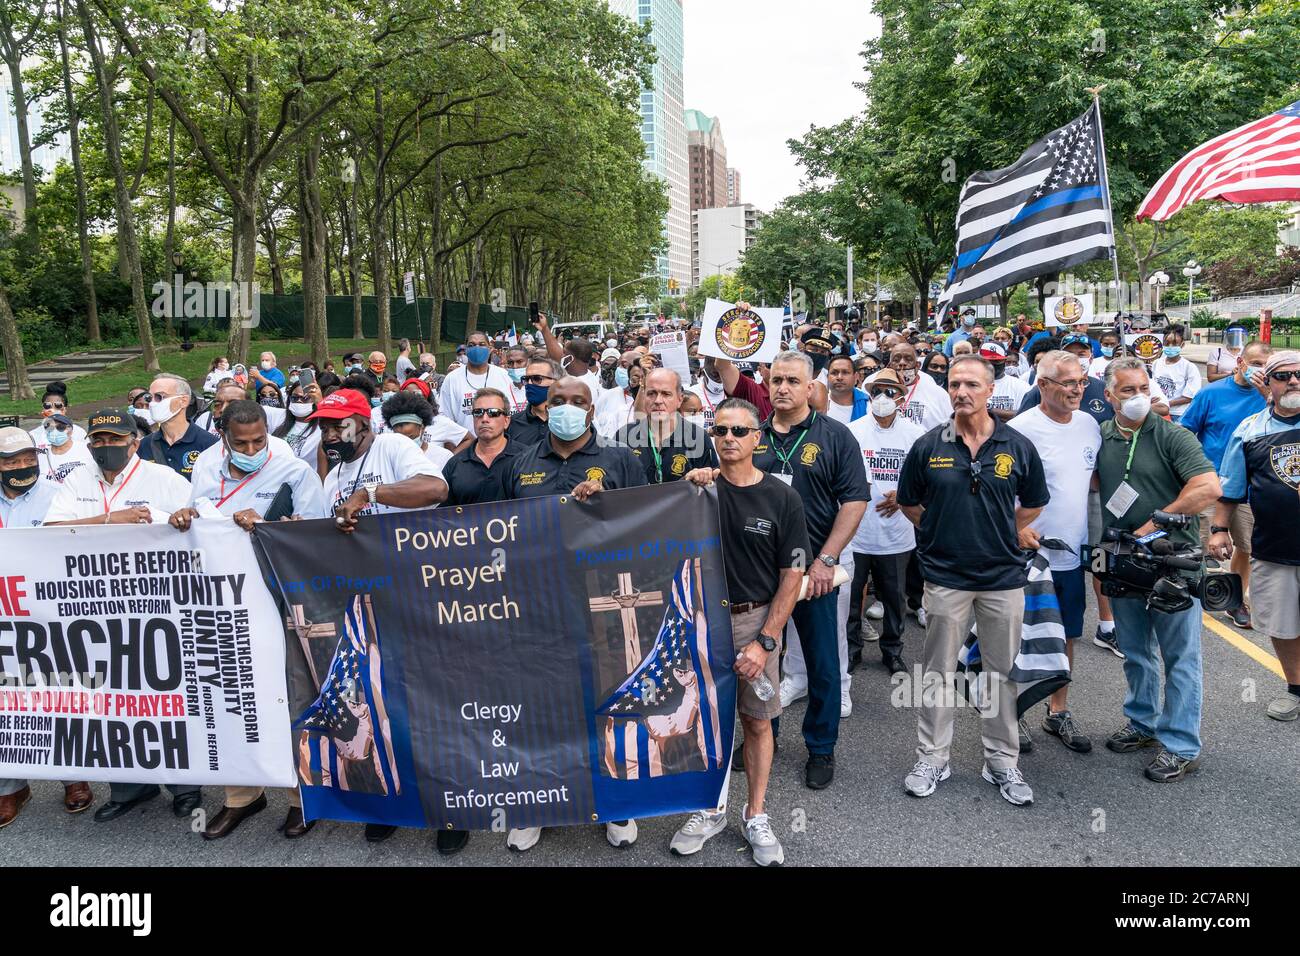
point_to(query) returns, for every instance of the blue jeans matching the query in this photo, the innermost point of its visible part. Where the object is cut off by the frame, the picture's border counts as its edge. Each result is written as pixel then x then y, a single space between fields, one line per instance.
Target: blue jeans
pixel 1146 637
pixel 818 627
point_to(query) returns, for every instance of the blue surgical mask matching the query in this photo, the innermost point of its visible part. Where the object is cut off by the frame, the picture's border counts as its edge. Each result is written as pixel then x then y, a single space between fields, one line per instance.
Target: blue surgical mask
pixel 386 396
pixel 1108 350
pixel 566 422
pixel 516 374
pixel 620 377
pixel 376 402
pixel 1173 351
pixel 250 463
pixel 477 354
pixel 56 438
pixel 536 393
pixel 969 321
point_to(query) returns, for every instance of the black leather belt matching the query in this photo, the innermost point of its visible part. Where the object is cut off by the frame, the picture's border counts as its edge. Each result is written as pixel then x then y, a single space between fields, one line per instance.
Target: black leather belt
pixel 748 606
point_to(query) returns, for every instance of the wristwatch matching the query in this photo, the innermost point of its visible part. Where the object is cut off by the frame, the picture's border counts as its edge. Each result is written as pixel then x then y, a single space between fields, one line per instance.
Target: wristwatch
pixel 1219 529
pixel 371 487
pixel 766 643
pixel 827 559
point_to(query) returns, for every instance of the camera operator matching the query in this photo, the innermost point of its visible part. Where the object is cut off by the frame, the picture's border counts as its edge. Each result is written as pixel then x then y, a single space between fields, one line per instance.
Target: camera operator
pixel 1146 465
pixel 1261 462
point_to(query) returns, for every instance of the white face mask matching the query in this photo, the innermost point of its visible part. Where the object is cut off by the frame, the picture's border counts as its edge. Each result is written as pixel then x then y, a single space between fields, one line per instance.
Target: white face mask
pixel 882 406
pixel 160 412
pixel 267 366
pixel 301 409
pixel 1136 408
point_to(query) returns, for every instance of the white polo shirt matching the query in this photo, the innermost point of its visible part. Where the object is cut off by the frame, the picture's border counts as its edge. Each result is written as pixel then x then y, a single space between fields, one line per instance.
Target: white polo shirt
pixel 229 495
pixel 389 459
pixel 85 494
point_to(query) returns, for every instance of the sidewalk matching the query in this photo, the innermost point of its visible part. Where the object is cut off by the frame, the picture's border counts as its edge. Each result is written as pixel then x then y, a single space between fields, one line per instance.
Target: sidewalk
pixel 65 368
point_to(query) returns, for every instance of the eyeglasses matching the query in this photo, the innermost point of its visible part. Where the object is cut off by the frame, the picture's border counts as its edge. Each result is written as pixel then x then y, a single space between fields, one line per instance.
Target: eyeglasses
pixel 893 393
pixel 50 406
pixel 1285 375
pixel 1076 385
pixel 975 468
pixel 737 431
pixel 55 426
pixel 159 396
pixel 489 412
pixel 538 379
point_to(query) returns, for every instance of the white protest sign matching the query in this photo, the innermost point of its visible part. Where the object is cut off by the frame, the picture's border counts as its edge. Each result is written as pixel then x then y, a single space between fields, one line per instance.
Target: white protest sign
pixel 1068 309
pixel 408 284
pixel 671 347
pixel 753 335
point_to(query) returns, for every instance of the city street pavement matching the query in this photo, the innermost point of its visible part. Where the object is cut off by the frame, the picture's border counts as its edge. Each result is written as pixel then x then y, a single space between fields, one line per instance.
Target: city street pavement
pixel 1090 810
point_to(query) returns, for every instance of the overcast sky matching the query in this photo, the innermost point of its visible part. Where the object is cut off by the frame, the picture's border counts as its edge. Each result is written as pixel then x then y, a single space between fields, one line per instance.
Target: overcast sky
pixel 769 69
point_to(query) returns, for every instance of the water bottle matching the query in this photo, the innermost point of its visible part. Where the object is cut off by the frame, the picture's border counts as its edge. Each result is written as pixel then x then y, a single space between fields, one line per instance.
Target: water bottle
pixel 763 688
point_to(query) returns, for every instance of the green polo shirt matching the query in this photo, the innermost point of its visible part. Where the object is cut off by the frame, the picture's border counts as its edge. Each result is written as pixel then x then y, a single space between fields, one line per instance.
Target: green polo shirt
pixel 1167 457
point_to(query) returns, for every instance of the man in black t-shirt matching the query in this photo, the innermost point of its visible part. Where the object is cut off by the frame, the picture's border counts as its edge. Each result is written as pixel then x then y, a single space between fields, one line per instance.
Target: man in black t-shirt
pixel 667 445
pixel 765 551
pixel 972 487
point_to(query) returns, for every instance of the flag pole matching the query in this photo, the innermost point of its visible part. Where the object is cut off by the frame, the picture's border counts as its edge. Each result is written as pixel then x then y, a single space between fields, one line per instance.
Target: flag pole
pixel 1110 215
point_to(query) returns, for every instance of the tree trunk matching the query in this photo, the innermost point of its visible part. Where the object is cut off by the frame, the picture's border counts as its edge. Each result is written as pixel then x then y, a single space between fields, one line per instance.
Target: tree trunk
pixel 475 297
pixel 125 216
pixel 354 264
pixel 379 234
pixel 314 252
pixel 83 232
pixel 20 387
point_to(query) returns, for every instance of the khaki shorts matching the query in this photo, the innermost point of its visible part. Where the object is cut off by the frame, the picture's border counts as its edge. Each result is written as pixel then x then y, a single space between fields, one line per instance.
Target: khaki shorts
pixel 1241 526
pixel 1275 599
pixel 744 630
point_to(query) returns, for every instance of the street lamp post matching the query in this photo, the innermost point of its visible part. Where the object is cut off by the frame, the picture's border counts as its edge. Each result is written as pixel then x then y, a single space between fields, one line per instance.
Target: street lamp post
pixel 614 288
pixel 1158 280
pixel 1191 270
pixel 178 263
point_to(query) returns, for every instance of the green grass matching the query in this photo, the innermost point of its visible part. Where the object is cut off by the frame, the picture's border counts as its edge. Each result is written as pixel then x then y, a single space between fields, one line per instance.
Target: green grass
pixel 111 386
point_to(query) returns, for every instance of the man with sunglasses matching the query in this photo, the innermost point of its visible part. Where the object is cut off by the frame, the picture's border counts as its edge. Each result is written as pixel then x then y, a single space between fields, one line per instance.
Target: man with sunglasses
pixel 666 444
pixel 972 487
pixel 177 442
pixel 1262 464
pixel 474 474
pixel 529 426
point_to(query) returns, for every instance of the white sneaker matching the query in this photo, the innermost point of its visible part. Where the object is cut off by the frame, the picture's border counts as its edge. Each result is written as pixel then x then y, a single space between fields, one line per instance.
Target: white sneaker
pixel 925 779
pixel 846 705
pixel 523 839
pixel 869 633
pixel 876 611
pixel 695 832
pixel 767 848
pixel 921 617
pixel 790 691
pixel 621 834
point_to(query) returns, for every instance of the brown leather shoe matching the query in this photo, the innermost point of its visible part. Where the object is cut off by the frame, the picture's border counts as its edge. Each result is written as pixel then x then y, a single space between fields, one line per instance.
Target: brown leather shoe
pixel 294 826
pixel 77 797
pixel 11 803
pixel 224 823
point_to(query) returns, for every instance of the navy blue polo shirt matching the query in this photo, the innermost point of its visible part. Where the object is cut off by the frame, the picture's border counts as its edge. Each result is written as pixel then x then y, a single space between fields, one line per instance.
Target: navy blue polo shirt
pixel 526 428
pixel 470 482
pixel 967 538
pixel 539 471
pixel 180 457
pixel 824 461
pixel 1093 402
pixel 686 449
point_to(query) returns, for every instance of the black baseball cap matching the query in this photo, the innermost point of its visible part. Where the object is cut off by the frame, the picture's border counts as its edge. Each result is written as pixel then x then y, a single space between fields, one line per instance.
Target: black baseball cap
pixel 110 420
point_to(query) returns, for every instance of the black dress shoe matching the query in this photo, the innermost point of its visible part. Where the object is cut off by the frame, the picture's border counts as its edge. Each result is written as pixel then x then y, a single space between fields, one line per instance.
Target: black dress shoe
pixel 228 818
pixel 895 664
pixel 294 826
pixel 186 803
pixel 451 842
pixel 819 771
pixel 855 658
pixel 379 832
pixel 112 810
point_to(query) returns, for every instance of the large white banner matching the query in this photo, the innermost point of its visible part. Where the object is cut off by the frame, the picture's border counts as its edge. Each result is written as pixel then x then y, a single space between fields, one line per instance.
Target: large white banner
pixel 752 335
pixel 140 654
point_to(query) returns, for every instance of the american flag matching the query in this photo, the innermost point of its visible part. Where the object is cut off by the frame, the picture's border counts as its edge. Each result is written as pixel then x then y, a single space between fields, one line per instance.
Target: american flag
pixel 655 690
pixel 1047 211
pixel 1258 162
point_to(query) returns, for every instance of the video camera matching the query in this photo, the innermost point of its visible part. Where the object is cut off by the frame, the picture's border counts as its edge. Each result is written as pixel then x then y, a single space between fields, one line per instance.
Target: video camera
pixel 1166 574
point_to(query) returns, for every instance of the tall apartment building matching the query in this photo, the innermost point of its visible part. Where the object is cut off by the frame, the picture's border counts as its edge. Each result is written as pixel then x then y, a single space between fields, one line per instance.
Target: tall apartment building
pixel 708 161
pixel 720 237
pixel 733 186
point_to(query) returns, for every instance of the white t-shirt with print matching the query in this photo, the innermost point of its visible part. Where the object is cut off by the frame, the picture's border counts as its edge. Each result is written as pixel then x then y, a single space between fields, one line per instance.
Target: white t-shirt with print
pixel 55 468
pixel 711 396
pixel 883 452
pixel 389 459
pixel 456 397
pixel 1182 379
pixel 1069 453
pixel 925 403
pixel 1008 393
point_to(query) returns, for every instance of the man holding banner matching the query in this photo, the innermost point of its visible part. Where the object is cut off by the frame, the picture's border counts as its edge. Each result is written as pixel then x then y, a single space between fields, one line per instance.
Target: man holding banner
pixel 257 478
pixel 142 492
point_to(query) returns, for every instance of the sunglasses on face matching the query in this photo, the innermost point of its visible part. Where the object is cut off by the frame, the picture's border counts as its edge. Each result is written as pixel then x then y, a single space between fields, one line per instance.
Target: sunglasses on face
pixel 1285 375
pixel 50 406
pixel 538 379
pixel 737 431
pixel 56 426
pixel 489 412
pixel 158 396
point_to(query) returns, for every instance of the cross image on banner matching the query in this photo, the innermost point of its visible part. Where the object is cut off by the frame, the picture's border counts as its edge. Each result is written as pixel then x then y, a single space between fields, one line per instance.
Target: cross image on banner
pixel 1068 309
pixel 752 335
pixel 139 653
pixel 527 663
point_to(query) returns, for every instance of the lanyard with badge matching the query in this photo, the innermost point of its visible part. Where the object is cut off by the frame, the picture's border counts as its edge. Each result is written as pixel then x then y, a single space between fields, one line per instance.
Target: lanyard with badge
pixel 786 474
pixel 104 492
pixel 1125 495
pixel 247 478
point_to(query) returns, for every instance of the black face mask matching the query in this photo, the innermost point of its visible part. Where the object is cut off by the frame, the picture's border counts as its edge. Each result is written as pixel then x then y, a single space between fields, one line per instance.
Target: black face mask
pixel 20 480
pixel 111 457
pixel 340 450
pixel 819 362
pixel 633 389
pixel 941 378
pixel 999 369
